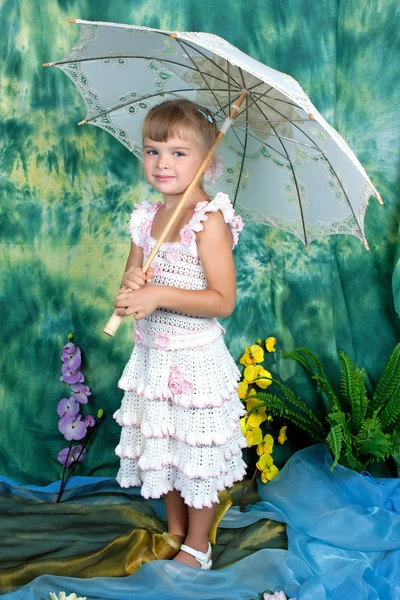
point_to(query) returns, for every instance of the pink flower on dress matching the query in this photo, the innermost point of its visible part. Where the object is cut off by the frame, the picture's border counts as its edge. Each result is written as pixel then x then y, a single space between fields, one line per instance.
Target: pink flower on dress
pixel 156 268
pixel 237 223
pixel 145 227
pixel 161 340
pixel 138 336
pixel 147 248
pixel 187 235
pixel 177 382
pixel 200 206
pixel 173 254
pixel 187 387
pixel 154 206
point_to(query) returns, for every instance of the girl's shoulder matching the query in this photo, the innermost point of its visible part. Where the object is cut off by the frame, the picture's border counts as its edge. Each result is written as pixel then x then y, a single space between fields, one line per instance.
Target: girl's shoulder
pixel 220 203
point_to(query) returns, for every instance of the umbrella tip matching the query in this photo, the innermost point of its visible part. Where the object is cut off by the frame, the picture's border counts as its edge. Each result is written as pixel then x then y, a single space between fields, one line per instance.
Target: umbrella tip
pixel 174 35
pixel 366 244
pixel 379 198
pixel 82 122
pixel 71 20
pixel 47 64
pixel 307 248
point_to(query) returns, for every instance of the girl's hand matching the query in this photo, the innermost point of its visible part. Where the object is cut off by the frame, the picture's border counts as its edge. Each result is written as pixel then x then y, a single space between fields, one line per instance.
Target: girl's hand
pixel 140 303
pixel 134 278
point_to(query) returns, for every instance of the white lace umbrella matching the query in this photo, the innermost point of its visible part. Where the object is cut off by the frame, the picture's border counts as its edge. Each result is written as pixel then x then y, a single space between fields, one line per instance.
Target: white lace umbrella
pixel 284 165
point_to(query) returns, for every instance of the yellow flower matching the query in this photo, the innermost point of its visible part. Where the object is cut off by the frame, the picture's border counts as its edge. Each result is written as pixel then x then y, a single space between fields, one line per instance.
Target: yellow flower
pixel 252 403
pixel 282 437
pixel 253 436
pixel 243 425
pixel 250 373
pixel 269 473
pixel 242 389
pixel 270 344
pixel 255 419
pixel 263 383
pixel 266 446
pixel 252 355
pixel 265 461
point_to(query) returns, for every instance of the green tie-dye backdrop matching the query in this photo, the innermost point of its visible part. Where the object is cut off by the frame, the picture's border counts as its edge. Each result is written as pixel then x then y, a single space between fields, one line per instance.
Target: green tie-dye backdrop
pixel 67 192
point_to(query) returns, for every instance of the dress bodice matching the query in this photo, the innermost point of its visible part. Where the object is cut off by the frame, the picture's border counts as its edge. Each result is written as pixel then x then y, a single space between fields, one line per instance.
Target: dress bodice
pixel 177 264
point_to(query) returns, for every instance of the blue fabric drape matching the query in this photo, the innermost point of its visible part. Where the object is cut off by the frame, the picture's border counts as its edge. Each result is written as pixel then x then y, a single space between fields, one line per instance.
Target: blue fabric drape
pixel 344 542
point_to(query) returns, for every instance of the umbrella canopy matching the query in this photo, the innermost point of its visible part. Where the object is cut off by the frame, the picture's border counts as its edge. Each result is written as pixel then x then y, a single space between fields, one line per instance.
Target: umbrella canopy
pixel 283 164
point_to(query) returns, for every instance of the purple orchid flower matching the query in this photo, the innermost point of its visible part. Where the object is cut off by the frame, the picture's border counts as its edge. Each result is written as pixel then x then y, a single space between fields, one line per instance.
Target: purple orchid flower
pixel 71 355
pixel 73 455
pixel 80 392
pixel 90 421
pixel 69 376
pixel 72 428
pixel 67 406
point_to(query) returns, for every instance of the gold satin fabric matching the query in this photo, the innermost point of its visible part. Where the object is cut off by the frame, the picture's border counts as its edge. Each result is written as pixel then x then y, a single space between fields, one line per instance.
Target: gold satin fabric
pixel 105 540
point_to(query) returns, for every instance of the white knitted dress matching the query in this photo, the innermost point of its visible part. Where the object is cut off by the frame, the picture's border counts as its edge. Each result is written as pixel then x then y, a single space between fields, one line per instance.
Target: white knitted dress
pixel 180 411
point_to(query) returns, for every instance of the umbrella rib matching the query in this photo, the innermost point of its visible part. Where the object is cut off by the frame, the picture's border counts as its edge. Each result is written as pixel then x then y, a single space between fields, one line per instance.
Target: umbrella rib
pixel 250 105
pixel 245 142
pixel 141 99
pixel 210 60
pixel 278 99
pixel 330 164
pixel 296 183
pixel 282 137
pixel 262 142
pixel 204 79
pixel 141 57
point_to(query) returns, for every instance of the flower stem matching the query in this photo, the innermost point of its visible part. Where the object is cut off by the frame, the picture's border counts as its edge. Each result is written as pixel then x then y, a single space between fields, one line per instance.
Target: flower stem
pixel 62 484
pixel 83 446
pixel 245 497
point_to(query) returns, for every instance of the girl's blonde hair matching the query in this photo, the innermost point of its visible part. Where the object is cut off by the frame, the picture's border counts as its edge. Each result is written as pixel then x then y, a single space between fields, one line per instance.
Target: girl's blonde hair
pixel 180 117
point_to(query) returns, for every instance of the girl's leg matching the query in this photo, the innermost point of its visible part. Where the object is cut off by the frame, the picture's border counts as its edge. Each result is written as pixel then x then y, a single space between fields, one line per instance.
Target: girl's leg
pixel 177 513
pixel 200 521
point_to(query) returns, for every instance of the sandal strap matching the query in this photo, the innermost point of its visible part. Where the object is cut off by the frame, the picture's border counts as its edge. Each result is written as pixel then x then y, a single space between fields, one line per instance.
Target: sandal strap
pixel 202 557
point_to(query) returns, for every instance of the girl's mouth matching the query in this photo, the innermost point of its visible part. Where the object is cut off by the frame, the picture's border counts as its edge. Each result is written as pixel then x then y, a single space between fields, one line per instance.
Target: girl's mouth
pixel 163 177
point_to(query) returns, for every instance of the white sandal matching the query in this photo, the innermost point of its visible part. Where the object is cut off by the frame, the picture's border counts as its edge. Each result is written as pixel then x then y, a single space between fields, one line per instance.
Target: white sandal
pixel 204 558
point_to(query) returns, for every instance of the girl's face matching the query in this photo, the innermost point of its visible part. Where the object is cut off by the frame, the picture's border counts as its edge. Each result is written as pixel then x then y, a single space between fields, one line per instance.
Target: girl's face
pixel 170 166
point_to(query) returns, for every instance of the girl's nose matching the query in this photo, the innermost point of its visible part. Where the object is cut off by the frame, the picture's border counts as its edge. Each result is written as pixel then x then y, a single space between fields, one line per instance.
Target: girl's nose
pixel 163 162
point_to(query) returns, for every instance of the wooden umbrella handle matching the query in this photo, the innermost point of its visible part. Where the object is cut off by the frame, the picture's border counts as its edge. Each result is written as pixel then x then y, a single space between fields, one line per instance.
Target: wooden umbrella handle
pixel 115 321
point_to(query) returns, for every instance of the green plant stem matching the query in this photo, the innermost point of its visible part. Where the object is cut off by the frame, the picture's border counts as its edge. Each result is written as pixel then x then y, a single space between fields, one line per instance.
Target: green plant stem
pixel 244 499
pixel 83 446
pixel 62 485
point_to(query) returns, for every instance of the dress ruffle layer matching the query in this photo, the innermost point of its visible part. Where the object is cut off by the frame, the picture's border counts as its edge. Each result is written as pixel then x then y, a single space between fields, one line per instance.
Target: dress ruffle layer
pixel 210 369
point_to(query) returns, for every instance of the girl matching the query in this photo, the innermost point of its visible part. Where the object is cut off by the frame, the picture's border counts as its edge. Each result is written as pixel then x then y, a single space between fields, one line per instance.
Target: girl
pixel 180 412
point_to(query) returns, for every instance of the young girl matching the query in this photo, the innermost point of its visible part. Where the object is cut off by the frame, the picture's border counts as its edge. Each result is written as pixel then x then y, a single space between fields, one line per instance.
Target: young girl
pixel 180 412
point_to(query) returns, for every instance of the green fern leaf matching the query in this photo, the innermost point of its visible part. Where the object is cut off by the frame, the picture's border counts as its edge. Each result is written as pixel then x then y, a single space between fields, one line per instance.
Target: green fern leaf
pixel 391 412
pixel 352 462
pixel 292 398
pixel 314 368
pixel 300 359
pixel 277 407
pixel 371 441
pixel 348 378
pixel 334 440
pixel 389 381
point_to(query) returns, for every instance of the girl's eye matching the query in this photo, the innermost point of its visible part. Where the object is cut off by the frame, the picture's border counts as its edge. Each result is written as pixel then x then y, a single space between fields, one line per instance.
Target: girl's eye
pixel 151 152
pixel 177 153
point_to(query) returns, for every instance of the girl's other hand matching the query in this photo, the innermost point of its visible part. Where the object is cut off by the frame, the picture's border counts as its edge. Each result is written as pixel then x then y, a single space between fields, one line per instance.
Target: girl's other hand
pixel 134 278
pixel 140 303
